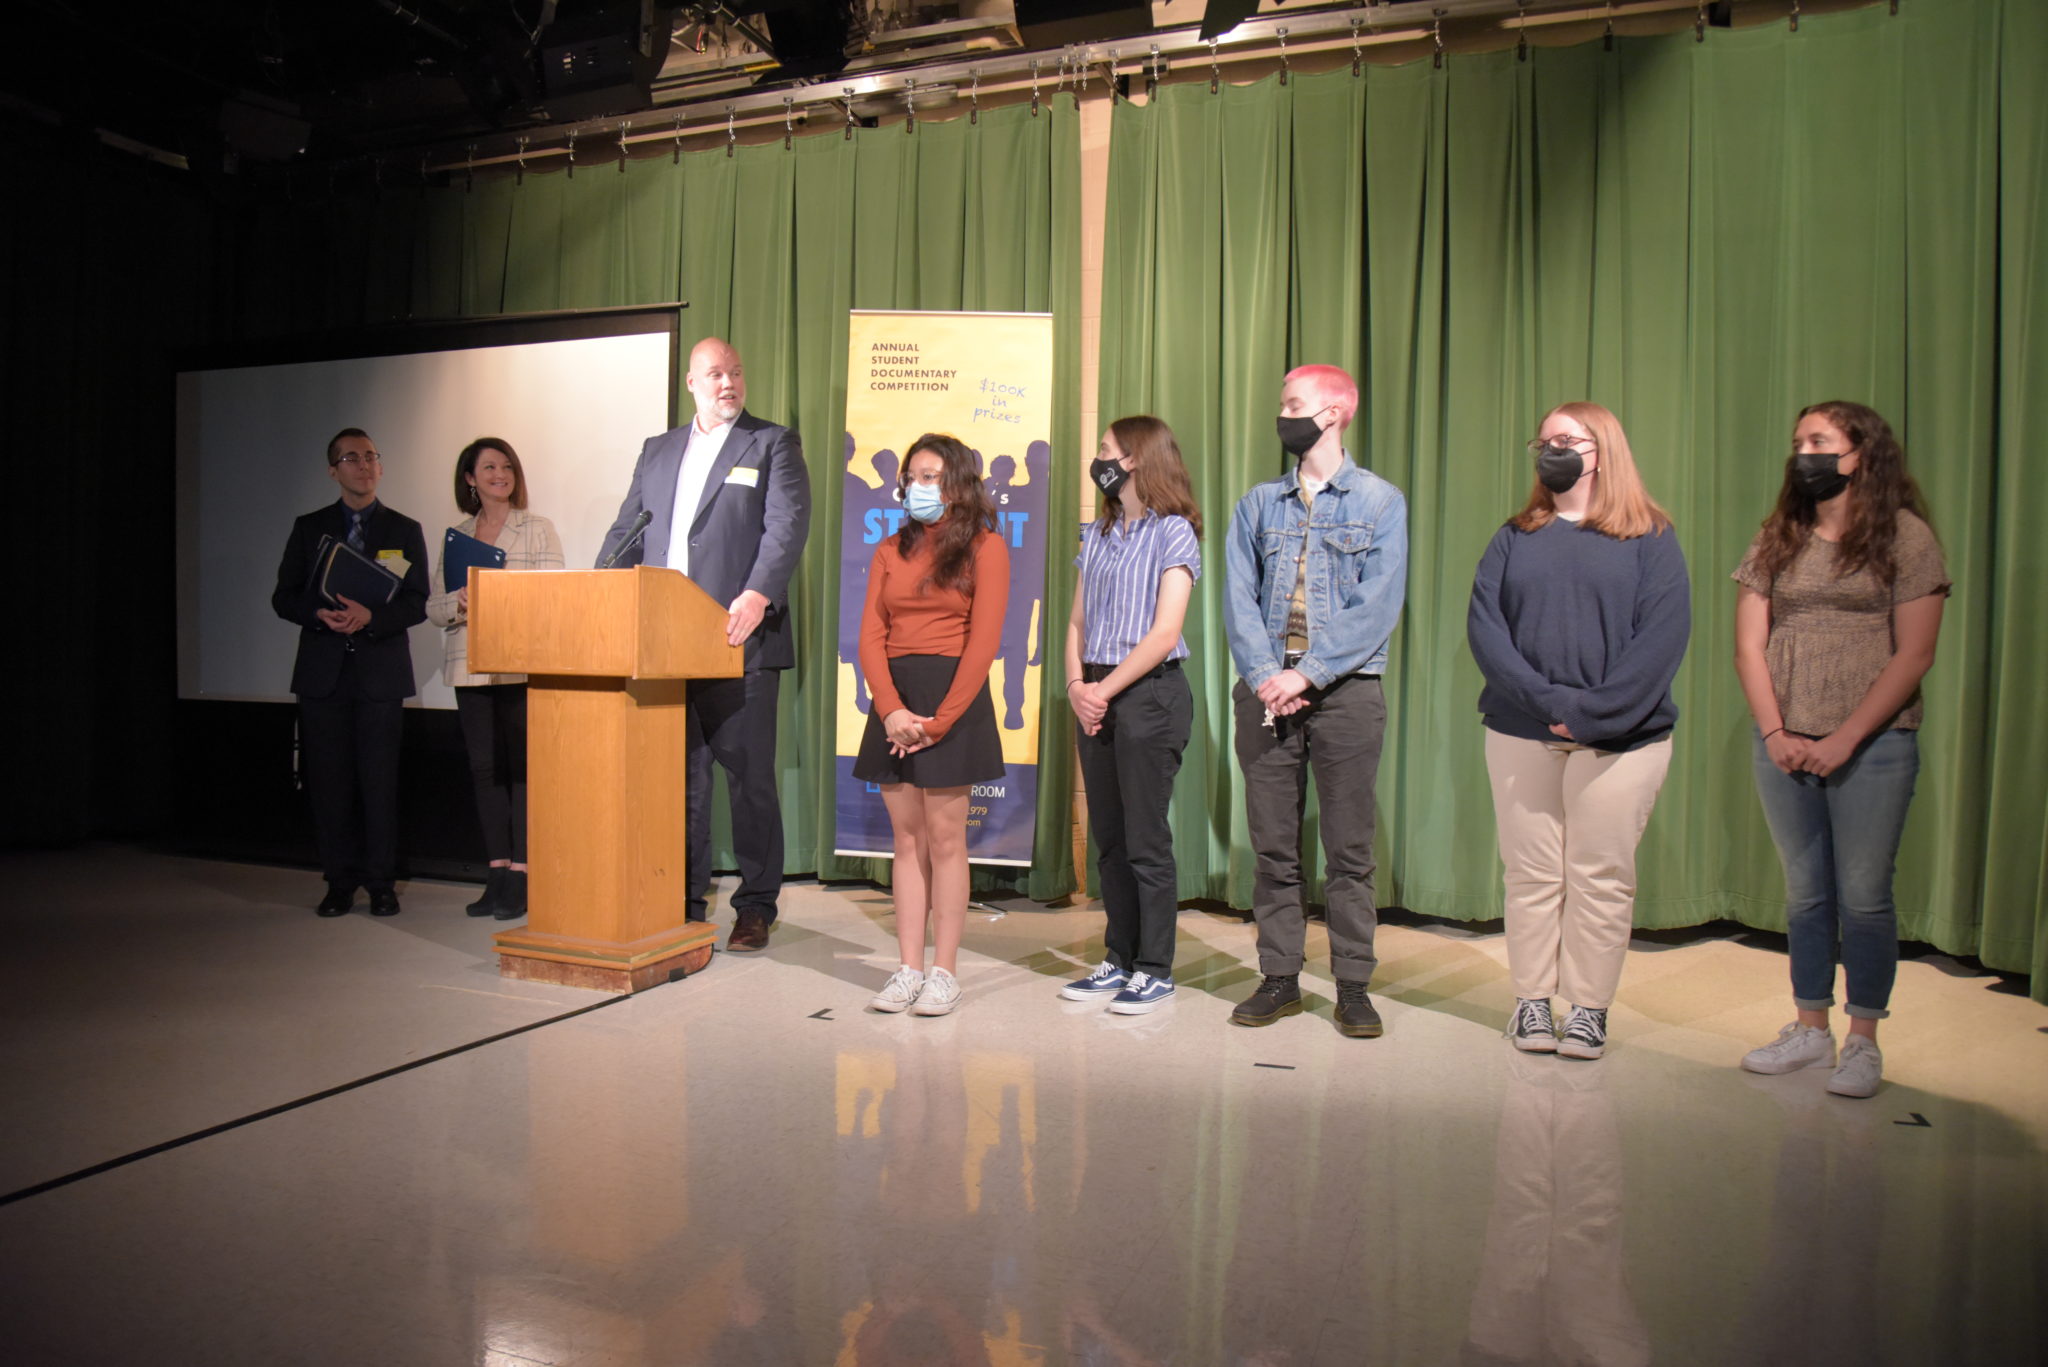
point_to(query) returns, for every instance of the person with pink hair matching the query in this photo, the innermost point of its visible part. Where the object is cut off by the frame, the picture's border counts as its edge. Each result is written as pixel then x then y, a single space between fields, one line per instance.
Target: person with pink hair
pixel 1316 564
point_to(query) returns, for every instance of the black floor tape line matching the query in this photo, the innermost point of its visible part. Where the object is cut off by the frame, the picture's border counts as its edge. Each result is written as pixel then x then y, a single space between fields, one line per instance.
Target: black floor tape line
pixel 210 1131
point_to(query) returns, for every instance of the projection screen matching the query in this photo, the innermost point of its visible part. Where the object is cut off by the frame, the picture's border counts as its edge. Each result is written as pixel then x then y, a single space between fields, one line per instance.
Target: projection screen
pixel 252 456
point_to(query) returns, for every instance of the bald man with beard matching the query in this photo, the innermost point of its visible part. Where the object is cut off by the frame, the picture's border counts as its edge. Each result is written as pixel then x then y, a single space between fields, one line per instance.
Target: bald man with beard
pixel 730 506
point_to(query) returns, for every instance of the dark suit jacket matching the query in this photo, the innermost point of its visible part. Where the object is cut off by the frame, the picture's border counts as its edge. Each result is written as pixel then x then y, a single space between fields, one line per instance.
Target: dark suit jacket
pixel 750 526
pixel 383 655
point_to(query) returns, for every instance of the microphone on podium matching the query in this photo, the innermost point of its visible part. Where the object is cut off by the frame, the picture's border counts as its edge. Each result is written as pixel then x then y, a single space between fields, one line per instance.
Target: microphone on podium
pixel 639 526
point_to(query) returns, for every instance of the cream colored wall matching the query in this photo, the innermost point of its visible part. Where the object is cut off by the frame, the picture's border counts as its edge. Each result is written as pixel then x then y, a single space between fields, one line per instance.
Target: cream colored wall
pixel 1095 116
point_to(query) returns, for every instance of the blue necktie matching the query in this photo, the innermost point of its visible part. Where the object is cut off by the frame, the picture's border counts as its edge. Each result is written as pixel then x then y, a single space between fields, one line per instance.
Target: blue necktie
pixel 355 527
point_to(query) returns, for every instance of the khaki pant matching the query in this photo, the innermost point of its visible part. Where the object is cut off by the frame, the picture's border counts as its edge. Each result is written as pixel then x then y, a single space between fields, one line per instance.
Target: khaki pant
pixel 1569 819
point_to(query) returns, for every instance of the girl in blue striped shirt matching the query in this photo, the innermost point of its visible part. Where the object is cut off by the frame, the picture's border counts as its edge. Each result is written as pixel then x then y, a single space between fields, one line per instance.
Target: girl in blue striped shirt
pixel 1131 702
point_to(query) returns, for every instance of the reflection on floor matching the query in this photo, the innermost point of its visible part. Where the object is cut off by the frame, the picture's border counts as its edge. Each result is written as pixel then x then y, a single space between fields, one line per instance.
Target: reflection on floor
pixel 748 1168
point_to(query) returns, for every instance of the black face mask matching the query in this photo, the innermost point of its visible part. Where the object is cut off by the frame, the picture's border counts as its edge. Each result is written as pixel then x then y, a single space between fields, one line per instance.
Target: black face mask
pixel 1817 475
pixel 1559 467
pixel 1109 476
pixel 1297 435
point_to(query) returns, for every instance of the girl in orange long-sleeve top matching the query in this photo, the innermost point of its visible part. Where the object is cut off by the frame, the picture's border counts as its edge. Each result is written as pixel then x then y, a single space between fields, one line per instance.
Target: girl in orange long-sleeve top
pixel 928 638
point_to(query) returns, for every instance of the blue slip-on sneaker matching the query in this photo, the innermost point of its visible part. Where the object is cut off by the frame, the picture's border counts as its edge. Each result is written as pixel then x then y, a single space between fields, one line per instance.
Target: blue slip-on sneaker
pixel 1106 981
pixel 1145 993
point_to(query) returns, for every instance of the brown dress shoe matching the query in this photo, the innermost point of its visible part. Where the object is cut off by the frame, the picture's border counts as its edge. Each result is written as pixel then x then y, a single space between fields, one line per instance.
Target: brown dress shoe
pixel 749 934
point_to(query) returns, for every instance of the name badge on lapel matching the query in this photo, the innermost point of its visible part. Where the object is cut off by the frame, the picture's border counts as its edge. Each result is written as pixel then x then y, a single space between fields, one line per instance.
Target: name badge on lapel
pixel 745 474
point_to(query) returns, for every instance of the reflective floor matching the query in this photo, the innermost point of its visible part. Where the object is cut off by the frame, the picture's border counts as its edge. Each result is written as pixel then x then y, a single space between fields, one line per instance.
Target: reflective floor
pixel 748 1168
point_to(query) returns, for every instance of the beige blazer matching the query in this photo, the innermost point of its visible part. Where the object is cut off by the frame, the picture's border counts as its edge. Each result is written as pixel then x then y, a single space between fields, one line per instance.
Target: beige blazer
pixel 529 543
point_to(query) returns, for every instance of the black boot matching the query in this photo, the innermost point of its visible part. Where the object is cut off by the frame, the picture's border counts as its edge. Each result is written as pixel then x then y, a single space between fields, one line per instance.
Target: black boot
pixel 1279 995
pixel 1357 1017
pixel 512 896
pixel 493 893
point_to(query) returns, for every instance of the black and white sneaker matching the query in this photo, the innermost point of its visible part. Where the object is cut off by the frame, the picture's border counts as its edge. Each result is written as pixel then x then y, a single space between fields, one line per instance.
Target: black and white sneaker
pixel 1531 1029
pixel 1585 1033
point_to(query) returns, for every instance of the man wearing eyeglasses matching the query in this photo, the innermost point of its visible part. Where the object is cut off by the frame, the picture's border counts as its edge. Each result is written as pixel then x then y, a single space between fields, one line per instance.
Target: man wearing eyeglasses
pixel 352 677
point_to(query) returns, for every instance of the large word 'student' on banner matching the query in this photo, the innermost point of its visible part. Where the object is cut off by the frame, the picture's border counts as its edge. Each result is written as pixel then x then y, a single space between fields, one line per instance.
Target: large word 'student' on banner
pixel 986 378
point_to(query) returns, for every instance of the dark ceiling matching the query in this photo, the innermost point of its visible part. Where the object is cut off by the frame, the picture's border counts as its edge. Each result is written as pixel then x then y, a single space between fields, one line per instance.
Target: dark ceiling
pixel 228 85
pixel 270 80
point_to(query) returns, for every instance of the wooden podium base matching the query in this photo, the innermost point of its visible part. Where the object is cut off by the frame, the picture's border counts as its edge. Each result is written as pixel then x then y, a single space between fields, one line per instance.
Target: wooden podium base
pixel 609 657
pixel 572 961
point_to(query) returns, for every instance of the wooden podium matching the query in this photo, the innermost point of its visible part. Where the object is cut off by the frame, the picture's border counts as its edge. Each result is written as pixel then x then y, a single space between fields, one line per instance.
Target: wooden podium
pixel 610 653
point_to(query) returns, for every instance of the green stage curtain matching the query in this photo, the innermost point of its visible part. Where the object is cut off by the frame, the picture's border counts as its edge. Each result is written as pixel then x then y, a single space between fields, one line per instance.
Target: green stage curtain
pixel 1703 236
pixel 770 247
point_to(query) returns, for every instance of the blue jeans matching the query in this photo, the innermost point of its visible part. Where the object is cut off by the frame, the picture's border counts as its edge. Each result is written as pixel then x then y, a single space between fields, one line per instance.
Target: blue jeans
pixel 1838 838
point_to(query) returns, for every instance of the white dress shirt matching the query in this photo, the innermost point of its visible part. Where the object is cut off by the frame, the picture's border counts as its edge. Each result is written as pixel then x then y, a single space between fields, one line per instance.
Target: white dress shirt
pixel 698 458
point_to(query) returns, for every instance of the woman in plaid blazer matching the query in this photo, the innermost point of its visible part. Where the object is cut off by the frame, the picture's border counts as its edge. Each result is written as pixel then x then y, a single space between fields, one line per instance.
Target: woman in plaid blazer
pixel 490 486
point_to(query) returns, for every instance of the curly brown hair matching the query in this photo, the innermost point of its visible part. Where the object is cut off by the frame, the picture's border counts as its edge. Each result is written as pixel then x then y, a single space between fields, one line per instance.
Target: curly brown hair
pixel 969 513
pixel 1879 490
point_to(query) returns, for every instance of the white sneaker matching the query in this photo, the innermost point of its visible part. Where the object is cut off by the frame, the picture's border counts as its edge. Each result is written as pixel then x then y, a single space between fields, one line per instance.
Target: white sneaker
pixel 941 994
pixel 1862 1068
pixel 900 991
pixel 1797 1046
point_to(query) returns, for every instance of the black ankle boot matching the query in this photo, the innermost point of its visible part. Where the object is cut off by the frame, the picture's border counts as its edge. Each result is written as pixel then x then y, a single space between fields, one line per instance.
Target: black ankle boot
pixel 493 893
pixel 1357 1017
pixel 1279 995
pixel 512 895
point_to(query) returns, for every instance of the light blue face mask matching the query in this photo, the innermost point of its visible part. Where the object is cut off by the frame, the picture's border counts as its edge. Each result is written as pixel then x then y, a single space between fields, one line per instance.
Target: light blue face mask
pixel 922 502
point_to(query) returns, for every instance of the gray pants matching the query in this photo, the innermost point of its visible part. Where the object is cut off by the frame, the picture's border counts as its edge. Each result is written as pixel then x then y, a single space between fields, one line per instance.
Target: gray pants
pixel 1338 734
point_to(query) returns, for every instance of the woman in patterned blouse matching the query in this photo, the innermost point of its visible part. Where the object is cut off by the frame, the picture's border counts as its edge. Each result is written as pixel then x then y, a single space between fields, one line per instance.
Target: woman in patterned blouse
pixel 1835 623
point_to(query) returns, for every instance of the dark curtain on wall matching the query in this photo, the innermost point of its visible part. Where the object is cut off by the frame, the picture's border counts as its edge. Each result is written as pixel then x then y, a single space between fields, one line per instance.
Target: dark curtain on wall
pixel 1703 236
pixel 106 274
pixel 770 247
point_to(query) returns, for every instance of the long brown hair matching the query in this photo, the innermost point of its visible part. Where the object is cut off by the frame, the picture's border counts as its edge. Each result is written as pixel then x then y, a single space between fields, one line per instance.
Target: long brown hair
pixel 466 496
pixel 969 513
pixel 1622 508
pixel 1159 477
pixel 1880 489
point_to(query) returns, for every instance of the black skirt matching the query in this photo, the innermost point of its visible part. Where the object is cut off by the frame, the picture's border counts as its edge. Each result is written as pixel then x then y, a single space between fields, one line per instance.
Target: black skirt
pixel 972 751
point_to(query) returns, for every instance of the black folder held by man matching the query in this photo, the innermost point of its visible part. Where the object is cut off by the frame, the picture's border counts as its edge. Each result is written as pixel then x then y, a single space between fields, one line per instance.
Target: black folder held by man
pixel 341 571
pixel 461 553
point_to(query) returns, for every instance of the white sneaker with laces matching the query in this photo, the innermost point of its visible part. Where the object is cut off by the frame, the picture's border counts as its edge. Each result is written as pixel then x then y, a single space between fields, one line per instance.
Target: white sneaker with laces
pixel 941 994
pixel 1862 1068
pixel 899 992
pixel 1797 1046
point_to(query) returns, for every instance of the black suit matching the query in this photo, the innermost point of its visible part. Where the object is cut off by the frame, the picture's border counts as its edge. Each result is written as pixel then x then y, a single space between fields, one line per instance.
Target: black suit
pixel 352 691
pixel 748 533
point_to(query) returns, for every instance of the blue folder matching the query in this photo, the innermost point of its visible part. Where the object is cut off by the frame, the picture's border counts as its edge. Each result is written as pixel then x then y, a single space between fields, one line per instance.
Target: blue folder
pixel 460 554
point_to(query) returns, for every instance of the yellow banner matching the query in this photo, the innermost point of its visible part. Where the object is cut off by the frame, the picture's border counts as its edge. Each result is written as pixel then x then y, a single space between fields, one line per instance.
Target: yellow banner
pixel 985 378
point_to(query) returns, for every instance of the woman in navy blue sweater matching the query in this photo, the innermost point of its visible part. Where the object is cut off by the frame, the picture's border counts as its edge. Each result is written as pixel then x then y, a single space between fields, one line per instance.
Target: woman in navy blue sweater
pixel 1579 617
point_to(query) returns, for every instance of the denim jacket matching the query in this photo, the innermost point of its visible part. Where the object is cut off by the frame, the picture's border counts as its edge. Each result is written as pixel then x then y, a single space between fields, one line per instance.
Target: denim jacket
pixel 1357 573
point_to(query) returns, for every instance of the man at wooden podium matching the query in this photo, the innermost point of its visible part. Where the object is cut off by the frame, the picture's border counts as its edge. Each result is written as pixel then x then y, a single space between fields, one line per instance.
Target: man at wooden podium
pixel 725 499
